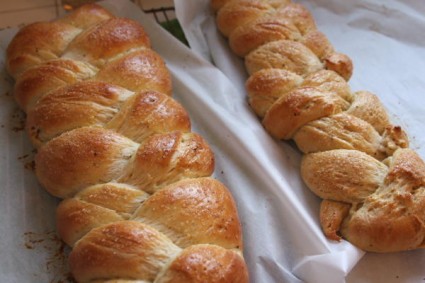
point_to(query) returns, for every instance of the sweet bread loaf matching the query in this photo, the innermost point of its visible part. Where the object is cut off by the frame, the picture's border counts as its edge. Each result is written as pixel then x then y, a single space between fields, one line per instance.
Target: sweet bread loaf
pixel 139 200
pixel 371 183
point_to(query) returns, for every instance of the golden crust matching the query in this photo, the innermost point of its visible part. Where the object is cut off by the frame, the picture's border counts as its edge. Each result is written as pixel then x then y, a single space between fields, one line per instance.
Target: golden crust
pixel 113 142
pixel 37 43
pixel 122 198
pixel 332 213
pixel 250 24
pixel 340 131
pixel 406 165
pixel 38 81
pixel 93 103
pixel 75 218
pixel 329 81
pixel 384 229
pixel 317 42
pixel 87 156
pixel 205 263
pixel 148 113
pixel 298 15
pixel 165 159
pixel 103 41
pixel 369 108
pixel 78 105
pixel 237 13
pixel 246 38
pixel 297 86
pixel 299 107
pixel 125 249
pixel 81 158
pixel 86 16
pixel 394 138
pixel 283 54
pixel 265 87
pixel 96 206
pixel 194 211
pixel 339 63
pixel 342 175
pixel 137 71
pixel 387 204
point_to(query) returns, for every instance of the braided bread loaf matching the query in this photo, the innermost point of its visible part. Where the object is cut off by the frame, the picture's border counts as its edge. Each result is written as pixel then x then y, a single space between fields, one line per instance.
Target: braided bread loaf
pixel 140 204
pixel 371 183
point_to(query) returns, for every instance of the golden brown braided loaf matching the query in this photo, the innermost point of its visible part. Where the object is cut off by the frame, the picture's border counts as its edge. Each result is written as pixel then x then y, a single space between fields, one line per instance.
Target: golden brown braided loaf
pixel 140 205
pixel 372 185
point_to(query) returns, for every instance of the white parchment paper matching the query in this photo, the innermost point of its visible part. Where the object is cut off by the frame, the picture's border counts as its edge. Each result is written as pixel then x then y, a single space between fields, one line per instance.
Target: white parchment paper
pixel 386 43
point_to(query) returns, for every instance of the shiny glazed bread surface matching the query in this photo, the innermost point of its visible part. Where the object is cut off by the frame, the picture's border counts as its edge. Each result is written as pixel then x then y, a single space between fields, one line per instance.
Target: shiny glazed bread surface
pixel 140 204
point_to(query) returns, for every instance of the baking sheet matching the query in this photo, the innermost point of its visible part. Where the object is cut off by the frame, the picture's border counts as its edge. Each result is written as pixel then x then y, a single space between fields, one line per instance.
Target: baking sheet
pixel 386 43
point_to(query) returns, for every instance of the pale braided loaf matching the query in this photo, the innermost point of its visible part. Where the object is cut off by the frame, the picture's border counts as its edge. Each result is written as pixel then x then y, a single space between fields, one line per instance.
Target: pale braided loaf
pixel 372 185
pixel 140 205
